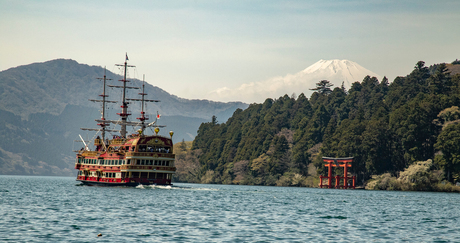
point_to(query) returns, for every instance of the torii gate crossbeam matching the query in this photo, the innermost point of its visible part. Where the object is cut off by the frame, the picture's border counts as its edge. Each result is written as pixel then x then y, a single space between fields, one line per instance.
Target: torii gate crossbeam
pixel 337 162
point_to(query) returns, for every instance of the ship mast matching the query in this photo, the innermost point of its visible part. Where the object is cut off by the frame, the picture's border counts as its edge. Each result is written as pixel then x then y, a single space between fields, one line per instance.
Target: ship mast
pixel 103 95
pixel 124 107
pixel 143 100
pixel 103 122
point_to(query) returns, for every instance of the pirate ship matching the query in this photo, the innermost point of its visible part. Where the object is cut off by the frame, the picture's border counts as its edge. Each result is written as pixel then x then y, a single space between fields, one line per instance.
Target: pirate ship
pixel 126 159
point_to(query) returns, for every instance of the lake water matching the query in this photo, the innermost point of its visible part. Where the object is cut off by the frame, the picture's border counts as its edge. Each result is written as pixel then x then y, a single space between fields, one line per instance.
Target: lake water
pixel 55 209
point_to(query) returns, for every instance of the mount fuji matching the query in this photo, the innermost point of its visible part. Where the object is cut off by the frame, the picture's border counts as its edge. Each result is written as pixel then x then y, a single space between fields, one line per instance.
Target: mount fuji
pixel 336 71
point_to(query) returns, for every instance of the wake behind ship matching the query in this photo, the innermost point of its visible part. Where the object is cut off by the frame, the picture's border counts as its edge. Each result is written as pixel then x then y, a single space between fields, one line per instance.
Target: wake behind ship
pixel 126 159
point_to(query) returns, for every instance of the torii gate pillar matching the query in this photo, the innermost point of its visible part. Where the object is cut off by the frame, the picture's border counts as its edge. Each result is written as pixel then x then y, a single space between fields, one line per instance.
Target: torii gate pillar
pixel 334 162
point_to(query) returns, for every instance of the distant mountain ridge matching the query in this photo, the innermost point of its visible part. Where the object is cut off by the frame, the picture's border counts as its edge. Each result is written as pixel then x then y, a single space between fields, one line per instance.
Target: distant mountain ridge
pixel 49 86
pixel 44 105
pixel 336 71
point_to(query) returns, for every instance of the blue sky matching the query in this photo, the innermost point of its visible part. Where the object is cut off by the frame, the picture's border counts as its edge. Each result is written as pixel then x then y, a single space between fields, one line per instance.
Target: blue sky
pixel 190 48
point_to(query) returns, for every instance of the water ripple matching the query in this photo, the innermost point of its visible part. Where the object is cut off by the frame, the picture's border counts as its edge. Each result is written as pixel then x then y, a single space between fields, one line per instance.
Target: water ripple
pixel 50 209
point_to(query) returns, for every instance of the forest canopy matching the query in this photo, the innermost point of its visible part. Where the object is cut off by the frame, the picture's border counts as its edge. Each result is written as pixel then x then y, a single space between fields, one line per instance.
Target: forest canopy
pixel 385 127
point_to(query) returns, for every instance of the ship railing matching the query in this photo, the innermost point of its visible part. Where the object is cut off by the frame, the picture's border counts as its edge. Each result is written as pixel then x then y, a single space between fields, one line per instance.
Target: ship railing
pixel 148 167
pixel 150 154
pixel 89 153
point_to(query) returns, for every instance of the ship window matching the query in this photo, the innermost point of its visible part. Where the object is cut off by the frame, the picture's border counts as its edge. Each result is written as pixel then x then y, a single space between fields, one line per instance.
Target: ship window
pixel 132 148
pixel 156 162
pixel 167 163
pixel 142 148
pixel 129 162
pixel 163 162
pixel 150 162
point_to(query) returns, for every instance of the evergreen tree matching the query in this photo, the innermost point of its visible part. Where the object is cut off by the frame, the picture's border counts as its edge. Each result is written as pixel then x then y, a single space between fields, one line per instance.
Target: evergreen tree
pixel 323 87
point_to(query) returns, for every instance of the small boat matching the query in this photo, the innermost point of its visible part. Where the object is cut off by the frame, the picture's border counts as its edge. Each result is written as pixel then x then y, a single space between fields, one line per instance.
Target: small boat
pixel 126 159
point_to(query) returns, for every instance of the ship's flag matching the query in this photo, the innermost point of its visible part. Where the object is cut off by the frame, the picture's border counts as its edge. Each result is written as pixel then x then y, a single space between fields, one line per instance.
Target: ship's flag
pixel 127 57
pixel 158 115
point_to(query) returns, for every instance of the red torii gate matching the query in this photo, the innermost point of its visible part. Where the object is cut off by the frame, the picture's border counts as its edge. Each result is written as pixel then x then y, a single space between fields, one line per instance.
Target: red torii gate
pixel 334 162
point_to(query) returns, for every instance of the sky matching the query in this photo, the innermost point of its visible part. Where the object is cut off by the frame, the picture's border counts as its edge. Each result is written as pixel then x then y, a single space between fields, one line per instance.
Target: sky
pixel 192 48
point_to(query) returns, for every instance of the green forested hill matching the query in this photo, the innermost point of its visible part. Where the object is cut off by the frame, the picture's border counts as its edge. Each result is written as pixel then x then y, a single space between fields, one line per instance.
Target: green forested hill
pixel 385 127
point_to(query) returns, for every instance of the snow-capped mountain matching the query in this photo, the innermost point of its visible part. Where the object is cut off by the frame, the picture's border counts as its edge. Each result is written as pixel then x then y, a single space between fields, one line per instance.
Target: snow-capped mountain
pixel 336 71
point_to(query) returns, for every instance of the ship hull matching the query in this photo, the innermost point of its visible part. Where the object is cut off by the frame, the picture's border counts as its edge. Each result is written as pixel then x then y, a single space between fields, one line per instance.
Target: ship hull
pixel 126 184
pixel 129 182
